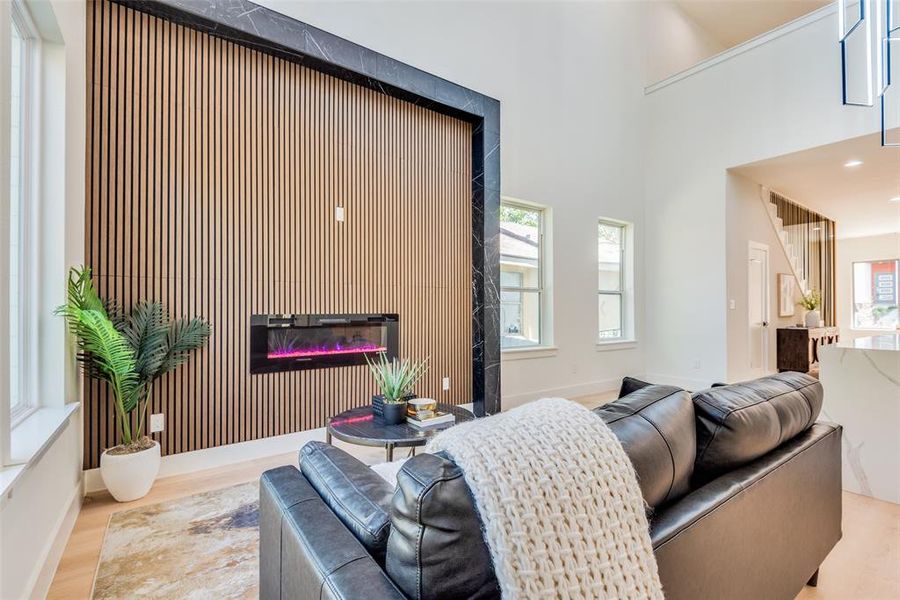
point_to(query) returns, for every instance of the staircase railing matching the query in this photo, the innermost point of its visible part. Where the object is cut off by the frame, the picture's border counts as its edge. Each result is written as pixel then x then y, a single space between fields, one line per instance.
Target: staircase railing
pixel 807 239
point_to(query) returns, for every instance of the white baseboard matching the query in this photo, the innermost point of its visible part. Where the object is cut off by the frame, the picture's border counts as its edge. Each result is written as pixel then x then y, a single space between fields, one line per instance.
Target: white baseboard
pixel 220 456
pixel 571 391
pixel 43 577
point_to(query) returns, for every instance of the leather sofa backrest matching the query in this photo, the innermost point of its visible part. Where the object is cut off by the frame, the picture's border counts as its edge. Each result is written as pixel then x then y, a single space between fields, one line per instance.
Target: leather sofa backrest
pixel 354 492
pixel 741 422
pixel 436 549
pixel 655 425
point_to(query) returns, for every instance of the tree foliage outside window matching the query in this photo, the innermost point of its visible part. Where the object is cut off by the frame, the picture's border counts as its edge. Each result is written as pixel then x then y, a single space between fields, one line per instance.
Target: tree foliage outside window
pixel 521 276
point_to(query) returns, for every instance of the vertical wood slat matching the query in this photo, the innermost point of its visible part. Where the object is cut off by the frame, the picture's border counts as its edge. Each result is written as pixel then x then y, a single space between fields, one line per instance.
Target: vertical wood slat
pixel 213 174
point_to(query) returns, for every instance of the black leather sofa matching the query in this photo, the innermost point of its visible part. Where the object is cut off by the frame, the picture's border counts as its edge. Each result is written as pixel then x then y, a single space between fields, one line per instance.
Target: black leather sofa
pixel 742 485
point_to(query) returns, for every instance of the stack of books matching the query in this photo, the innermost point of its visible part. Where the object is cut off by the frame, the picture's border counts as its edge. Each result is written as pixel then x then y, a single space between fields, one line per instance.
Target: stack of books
pixel 423 421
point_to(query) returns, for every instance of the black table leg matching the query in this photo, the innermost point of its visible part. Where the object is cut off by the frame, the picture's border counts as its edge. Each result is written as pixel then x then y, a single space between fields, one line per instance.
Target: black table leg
pixel 389 452
pixel 327 437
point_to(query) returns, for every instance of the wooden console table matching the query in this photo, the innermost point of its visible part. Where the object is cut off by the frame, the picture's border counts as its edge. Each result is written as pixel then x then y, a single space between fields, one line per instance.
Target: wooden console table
pixel 798 347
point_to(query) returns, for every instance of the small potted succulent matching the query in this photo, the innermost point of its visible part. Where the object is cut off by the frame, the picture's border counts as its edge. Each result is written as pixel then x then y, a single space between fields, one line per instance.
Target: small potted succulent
pixel 395 379
pixel 811 302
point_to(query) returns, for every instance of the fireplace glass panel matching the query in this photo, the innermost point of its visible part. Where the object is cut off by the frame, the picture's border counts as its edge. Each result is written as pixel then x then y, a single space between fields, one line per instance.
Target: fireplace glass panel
pixel 299 342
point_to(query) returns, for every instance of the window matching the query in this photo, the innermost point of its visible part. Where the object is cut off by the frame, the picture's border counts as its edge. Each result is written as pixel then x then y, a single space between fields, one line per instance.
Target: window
pixel 21 327
pixel 521 275
pixel 612 300
pixel 875 294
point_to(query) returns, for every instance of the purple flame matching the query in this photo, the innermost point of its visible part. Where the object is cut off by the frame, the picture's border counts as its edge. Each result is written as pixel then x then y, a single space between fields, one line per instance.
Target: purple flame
pixel 325 351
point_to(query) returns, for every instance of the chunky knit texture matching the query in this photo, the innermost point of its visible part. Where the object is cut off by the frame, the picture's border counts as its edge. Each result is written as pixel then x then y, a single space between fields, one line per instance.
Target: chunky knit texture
pixel 562 511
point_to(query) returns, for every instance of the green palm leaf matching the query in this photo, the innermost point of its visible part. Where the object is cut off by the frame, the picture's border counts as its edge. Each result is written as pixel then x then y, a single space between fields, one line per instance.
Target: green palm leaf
pixel 184 336
pixel 128 351
pixel 103 351
pixel 146 331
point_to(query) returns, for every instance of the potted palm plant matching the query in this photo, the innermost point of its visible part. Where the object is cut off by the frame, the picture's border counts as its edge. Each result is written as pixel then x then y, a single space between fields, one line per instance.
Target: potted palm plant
pixel 395 380
pixel 129 352
pixel 811 302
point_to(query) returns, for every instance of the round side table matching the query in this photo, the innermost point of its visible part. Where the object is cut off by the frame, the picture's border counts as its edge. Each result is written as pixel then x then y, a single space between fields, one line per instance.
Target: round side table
pixel 360 426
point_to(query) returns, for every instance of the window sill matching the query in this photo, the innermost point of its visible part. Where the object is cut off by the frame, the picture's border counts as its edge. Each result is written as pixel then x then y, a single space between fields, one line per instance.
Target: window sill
pixel 31 438
pixel 528 353
pixel 616 345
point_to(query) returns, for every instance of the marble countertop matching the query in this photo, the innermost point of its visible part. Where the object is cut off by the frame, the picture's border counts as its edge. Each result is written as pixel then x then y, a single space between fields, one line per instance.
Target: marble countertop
pixel 889 341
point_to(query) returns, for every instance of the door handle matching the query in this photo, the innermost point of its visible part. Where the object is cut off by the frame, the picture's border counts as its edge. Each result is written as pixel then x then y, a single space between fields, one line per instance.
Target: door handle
pixel 765 323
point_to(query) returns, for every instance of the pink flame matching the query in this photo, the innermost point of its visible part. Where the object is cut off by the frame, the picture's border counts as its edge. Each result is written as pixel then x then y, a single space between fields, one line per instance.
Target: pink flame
pixel 286 353
pixel 349 420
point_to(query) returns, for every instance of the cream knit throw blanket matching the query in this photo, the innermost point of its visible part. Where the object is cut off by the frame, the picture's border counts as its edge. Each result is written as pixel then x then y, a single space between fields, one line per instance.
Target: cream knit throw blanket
pixel 562 511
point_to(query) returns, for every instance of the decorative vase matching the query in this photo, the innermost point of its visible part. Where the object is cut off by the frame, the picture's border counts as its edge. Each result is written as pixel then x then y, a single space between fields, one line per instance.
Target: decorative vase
pixel 813 318
pixel 394 413
pixel 130 476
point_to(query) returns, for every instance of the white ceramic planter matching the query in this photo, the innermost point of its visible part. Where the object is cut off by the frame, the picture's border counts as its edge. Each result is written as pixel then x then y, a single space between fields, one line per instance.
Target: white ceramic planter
pixel 130 476
pixel 813 318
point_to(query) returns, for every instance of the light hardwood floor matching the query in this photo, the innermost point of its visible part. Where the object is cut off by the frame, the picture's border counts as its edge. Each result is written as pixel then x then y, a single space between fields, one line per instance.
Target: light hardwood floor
pixel 865 565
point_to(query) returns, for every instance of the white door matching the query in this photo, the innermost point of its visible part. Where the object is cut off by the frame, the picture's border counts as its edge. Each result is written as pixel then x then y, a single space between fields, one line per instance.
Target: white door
pixel 758 308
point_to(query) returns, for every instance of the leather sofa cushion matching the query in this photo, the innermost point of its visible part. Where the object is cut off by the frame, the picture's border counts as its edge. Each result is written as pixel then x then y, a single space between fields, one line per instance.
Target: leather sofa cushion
pixel 436 549
pixel 739 423
pixel 359 497
pixel 630 384
pixel 655 425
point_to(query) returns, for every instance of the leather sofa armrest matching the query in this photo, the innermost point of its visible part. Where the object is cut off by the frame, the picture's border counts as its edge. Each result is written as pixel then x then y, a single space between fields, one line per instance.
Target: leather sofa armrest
pixel 759 531
pixel 359 497
pixel 708 498
pixel 305 552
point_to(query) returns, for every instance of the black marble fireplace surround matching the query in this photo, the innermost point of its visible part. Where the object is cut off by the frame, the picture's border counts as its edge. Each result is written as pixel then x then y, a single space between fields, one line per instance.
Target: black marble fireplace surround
pixel 268 31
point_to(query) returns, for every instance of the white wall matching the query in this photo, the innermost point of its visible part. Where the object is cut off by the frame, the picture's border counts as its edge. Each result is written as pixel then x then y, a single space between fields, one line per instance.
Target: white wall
pixel 675 42
pixel 38 514
pixel 747 221
pixel 850 250
pixel 781 96
pixel 36 520
pixel 570 80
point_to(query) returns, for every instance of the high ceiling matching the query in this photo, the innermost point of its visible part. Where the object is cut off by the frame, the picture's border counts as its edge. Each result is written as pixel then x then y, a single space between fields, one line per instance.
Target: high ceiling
pixel 857 197
pixel 731 22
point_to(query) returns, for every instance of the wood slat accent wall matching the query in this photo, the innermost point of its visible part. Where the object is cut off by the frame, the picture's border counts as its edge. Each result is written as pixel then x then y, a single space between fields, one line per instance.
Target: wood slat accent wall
pixel 213 173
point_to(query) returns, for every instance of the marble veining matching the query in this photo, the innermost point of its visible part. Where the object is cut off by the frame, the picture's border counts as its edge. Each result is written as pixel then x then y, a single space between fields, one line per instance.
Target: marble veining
pixel 862 392
pixel 268 31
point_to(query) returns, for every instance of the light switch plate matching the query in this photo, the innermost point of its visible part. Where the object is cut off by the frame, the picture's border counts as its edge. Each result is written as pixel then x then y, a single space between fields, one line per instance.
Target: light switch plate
pixel 446 383
pixel 731 304
pixel 157 422
pixel 339 213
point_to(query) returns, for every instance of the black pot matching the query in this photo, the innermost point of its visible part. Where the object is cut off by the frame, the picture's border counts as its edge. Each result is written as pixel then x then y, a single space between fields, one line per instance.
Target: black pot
pixel 378 404
pixel 393 413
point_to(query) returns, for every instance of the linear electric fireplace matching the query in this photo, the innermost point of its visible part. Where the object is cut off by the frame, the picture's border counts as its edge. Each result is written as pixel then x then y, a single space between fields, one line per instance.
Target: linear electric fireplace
pixel 299 342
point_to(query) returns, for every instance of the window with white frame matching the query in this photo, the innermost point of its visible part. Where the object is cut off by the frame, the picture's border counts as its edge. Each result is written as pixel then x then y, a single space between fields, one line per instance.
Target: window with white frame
pixel 875 294
pixel 613 301
pixel 22 326
pixel 521 275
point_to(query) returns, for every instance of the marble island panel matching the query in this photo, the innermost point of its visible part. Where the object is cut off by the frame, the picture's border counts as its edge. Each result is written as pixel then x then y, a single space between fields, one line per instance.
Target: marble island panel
pixel 861 379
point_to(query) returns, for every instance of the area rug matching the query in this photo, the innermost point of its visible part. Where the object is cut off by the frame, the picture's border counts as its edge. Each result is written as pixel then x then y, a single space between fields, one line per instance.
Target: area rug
pixel 201 546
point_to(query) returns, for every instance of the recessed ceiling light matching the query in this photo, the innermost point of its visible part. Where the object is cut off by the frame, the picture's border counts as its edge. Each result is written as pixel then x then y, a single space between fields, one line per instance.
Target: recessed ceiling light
pixel 852 163
pixel 895 199
pixel 817 228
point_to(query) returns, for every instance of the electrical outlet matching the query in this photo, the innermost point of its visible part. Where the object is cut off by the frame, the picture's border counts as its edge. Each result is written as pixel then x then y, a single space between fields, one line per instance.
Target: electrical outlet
pixel 339 213
pixel 157 422
pixel 446 383
pixel 731 304
pixel 697 363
